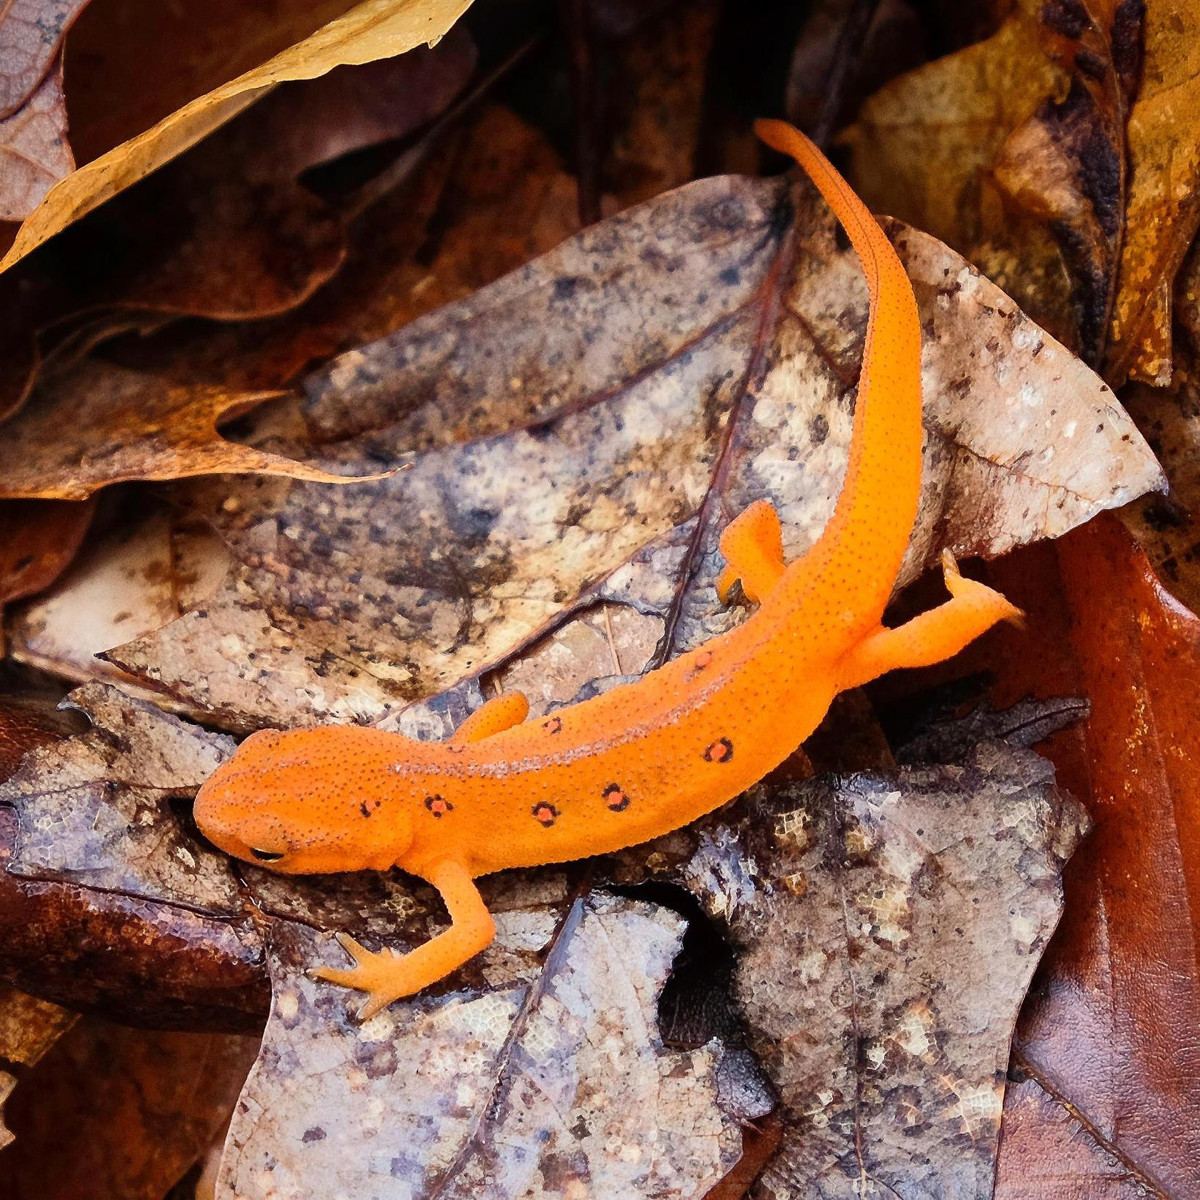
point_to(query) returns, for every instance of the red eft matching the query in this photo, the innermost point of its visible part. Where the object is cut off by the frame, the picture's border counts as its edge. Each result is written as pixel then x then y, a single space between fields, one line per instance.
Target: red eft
pixel 649 756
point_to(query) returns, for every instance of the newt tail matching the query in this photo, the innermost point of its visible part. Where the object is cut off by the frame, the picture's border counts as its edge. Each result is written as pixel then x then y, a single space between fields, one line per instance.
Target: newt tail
pixel 643 759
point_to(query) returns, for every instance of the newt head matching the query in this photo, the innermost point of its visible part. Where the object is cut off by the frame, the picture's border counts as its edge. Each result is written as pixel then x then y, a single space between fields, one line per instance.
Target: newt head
pixel 306 801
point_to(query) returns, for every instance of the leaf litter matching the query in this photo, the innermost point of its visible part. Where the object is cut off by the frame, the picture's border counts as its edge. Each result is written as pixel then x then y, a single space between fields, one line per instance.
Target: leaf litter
pixel 1017 796
pixel 901 915
pixel 586 426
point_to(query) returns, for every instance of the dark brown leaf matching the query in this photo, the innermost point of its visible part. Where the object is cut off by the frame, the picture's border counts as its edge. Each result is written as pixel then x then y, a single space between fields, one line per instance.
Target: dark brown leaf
pixel 38 541
pixel 1106 1036
pixel 114 1112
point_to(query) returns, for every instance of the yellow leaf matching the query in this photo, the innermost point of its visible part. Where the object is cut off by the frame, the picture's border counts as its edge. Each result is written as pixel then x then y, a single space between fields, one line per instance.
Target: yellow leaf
pixel 370 30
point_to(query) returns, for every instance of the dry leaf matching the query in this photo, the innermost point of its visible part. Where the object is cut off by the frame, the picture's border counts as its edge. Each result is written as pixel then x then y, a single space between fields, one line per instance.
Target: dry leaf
pixel 550 1087
pixel 1105 1038
pixel 1168 527
pixel 995 829
pixel 31 33
pixel 28 1028
pixel 108 424
pixel 633 414
pixel 226 231
pixel 133 579
pixel 38 541
pixel 370 30
pixel 1013 152
pixel 34 153
pixel 115 1112
pixel 1164 192
pixel 886 928
pixel 104 937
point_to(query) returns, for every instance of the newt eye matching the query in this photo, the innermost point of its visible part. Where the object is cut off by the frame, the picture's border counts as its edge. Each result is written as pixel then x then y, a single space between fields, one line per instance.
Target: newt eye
pixel 266 855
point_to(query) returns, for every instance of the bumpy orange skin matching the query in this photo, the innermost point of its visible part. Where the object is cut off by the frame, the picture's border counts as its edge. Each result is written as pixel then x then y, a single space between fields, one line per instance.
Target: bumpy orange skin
pixel 653 755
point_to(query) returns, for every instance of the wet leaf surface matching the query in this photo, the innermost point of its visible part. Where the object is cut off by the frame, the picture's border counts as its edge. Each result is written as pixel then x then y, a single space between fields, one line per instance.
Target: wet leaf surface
pixel 634 416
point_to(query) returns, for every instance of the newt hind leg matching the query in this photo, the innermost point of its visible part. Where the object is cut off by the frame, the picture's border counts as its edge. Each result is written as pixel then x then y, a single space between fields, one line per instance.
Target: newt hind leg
pixel 752 544
pixel 932 637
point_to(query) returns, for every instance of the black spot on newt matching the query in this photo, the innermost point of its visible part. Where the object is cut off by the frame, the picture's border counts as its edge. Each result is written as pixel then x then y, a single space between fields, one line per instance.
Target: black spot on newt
pixel 721 751
pixel 615 798
pixel 547 814
pixel 438 805
pixel 369 810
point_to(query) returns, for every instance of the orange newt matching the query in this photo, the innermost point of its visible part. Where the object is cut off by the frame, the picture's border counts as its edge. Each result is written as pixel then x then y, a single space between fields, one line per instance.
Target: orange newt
pixel 649 756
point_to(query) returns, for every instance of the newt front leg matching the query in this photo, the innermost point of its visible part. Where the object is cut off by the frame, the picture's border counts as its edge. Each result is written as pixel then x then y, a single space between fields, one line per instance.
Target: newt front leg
pixel 387 975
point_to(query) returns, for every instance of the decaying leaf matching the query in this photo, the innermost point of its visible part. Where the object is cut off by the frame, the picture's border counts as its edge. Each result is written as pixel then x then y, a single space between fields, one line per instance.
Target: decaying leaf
pixel 1168 527
pixel 120 1112
pixel 1105 1039
pixel 31 33
pixel 28 1028
pixel 34 153
pixel 109 424
pixel 633 414
pixel 38 540
pixel 899 915
pixel 150 929
pixel 367 31
pixel 1013 152
pixel 1164 192
pixel 131 580
pixel 886 929
pixel 226 231
pixel 556 1085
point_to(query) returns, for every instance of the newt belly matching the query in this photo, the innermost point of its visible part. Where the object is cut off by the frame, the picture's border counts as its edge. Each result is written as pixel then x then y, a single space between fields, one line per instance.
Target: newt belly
pixel 649 756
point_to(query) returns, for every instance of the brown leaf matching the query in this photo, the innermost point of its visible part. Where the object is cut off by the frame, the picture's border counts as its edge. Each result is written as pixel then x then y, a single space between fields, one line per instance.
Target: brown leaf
pixel 226 231
pixel 1013 151
pixel 1168 527
pixel 552 1086
pixel 108 424
pixel 149 929
pixel 633 414
pixel 362 32
pixel 1106 1036
pixel 134 579
pixel 120 1112
pixel 479 207
pixel 1164 190
pixel 31 33
pixel 34 153
pixel 38 541
pixel 27 722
